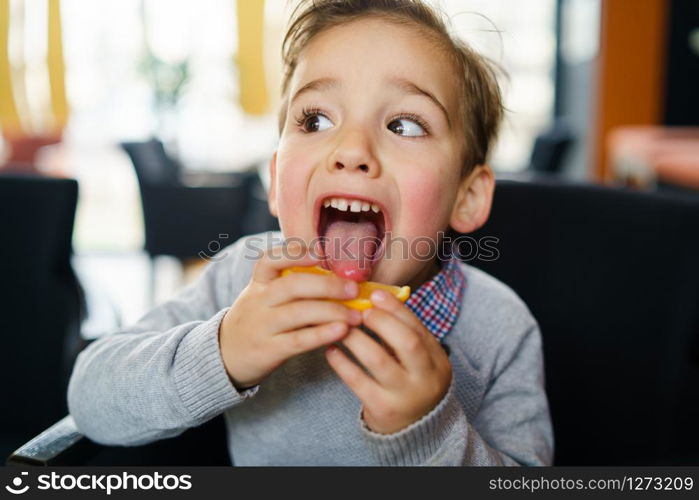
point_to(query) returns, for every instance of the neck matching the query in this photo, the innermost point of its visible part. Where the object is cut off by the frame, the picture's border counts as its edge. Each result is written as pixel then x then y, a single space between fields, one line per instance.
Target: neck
pixel 425 274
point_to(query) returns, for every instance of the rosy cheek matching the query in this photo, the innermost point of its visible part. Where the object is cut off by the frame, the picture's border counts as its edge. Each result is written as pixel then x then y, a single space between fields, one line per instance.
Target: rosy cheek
pixel 292 180
pixel 425 203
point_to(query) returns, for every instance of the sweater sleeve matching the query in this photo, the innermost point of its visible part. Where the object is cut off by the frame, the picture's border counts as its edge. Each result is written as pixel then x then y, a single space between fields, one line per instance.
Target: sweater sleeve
pixel 512 426
pixel 162 375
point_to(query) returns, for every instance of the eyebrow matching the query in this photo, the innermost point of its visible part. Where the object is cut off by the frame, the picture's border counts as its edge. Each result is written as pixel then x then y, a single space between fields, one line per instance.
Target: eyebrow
pixel 406 86
pixel 410 88
pixel 318 84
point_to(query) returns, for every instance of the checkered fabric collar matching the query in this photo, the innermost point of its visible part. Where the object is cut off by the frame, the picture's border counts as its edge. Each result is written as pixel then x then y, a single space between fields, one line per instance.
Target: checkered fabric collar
pixel 438 302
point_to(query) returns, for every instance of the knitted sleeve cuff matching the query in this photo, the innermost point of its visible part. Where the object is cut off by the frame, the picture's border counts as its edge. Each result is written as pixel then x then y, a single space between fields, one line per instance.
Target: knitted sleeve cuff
pixel 200 376
pixel 420 442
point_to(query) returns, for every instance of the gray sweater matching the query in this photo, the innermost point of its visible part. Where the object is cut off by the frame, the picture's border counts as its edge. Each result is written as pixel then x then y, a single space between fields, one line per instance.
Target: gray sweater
pixel 164 374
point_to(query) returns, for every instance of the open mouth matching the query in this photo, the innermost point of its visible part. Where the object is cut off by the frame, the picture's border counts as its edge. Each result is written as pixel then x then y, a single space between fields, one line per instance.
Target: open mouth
pixel 352 232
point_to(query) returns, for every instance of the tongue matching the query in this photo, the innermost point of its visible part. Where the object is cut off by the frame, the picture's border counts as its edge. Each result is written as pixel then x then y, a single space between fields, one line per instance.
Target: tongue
pixel 350 248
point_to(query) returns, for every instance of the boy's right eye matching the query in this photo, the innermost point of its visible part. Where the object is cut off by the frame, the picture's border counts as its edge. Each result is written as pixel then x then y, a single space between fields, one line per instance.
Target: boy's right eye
pixel 313 121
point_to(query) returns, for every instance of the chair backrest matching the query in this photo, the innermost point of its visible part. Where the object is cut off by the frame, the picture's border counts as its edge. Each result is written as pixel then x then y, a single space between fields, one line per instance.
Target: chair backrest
pixel 258 218
pixel 188 222
pixel 41 302
pixel 612 276
pixel 550 148
pixel 152 164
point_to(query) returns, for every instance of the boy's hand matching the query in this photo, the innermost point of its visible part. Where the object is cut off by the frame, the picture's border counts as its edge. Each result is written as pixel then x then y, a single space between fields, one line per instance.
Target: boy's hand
pixel 404 384
pixel 276 318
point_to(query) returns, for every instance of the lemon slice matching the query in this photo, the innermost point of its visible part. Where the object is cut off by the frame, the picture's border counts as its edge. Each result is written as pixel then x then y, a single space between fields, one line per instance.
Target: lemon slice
pixel 362 301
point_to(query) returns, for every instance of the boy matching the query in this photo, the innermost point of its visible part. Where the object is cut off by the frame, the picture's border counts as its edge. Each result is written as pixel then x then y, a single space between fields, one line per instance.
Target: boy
pixel 385 127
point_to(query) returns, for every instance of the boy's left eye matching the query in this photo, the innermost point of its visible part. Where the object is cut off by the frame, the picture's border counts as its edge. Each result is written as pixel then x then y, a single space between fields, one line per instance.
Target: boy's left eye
pixel 407 127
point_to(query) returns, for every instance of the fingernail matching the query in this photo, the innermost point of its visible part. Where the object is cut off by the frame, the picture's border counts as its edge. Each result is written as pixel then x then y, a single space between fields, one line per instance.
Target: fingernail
pixel 355 316
pixel 351 289
pixel 331 350
pixel 378 296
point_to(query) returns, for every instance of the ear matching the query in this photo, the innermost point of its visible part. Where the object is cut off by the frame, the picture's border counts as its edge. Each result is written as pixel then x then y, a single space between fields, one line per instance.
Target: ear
pixel 473 200
pixel 272 194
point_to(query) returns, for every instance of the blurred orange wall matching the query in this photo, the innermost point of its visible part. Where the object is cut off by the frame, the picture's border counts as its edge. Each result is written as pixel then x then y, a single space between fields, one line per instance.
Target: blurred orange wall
pixel 631 70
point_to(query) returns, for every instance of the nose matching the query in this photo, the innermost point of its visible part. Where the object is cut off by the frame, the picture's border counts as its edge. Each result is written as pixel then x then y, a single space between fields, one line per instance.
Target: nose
pixel 354 152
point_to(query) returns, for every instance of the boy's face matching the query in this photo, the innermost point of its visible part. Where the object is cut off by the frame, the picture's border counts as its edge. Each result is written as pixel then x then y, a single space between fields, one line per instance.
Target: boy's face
pixel 381 127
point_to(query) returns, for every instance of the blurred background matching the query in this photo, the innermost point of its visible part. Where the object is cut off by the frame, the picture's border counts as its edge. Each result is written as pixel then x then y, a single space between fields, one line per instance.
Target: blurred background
pixel 151 123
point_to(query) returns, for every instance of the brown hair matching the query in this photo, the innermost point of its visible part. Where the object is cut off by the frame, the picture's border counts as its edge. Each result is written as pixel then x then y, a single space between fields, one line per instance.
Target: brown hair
pixel 481 107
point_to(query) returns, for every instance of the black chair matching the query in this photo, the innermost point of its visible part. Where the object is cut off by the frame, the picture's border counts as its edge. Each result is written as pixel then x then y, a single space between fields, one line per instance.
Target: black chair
pixel 185 212
pixel 155 166
pixel 41 303
pixel 550 148
pixel 180 220
pixel 613 278
pixel 193 216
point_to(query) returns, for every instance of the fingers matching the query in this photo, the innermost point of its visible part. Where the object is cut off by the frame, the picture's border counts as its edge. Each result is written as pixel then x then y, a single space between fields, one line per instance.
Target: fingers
pixel 307 339
pixel 310 286
pixel 277 258
pixel 382 366
pixel 390 303
pixel 302 313
pixel 361 384
pixel 409 345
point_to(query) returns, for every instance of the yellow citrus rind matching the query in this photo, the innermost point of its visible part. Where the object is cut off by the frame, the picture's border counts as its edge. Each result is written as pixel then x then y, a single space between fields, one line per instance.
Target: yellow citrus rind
pixel 362 301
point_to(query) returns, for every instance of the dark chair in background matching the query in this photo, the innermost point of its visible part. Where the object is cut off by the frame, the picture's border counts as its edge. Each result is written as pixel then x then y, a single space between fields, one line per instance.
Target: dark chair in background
pixel 257 215
pixel 153 166
pixel 612 277
pixel 182 220
pixel 550 148
pixel 41 303
pixel 193 216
